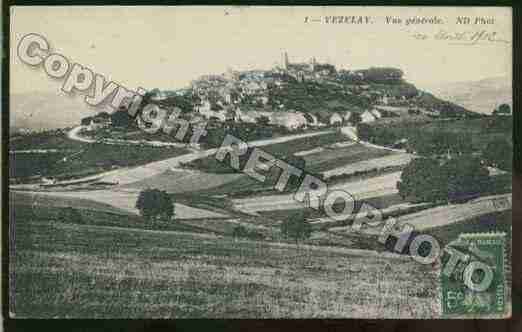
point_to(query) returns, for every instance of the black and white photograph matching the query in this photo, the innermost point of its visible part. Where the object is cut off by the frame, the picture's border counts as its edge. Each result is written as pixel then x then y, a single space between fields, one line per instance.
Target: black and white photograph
pixel 260 162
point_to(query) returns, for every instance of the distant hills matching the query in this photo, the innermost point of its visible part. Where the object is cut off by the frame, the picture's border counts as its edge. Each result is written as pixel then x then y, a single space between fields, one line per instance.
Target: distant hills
pixel 479 96
pixel 37 111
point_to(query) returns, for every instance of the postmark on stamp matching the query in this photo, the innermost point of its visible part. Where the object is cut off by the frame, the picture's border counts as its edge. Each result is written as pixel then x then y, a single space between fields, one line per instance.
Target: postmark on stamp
pixel 474 282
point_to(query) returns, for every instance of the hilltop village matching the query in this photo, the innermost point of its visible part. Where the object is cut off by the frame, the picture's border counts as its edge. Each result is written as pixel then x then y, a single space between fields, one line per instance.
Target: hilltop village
pixel 300 95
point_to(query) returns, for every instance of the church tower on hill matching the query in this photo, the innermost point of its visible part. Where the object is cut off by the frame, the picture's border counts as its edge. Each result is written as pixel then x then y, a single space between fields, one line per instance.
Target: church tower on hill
pixel 284 61
pixel 313 62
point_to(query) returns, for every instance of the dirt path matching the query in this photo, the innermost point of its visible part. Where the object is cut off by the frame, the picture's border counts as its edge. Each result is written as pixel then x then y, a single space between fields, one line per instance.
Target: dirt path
pixel 446 214
pixel 74 134
pixel 142 172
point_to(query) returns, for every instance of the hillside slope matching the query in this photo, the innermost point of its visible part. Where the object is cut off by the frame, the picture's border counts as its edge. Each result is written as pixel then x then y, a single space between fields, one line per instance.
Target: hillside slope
pixel 85 271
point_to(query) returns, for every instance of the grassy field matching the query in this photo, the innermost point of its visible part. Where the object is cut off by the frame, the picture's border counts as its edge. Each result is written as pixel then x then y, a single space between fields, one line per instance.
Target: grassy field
pixel 45 140
pixel 481 130
pixel 85 271
pixel 181 181
pixel 477 132
pixel 492 222
pixel 22 165
pixel 90 159
pixel 22 199
pixel 336 157
pixel 90 213
pixel 122 202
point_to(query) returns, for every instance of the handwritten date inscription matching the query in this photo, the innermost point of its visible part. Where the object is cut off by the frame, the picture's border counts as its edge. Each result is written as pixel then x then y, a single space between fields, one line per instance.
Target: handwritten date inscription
pixel 464 37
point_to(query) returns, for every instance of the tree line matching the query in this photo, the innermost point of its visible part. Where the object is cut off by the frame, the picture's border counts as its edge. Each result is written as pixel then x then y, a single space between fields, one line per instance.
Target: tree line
pixel 458 179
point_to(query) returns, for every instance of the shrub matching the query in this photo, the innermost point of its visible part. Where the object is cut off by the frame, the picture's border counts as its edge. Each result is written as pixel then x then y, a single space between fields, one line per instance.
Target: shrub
pixel 241 231
pixel 154 203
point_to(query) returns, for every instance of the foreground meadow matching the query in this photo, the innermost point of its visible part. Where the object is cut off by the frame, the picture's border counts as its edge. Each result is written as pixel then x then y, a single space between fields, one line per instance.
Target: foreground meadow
pixel 80 270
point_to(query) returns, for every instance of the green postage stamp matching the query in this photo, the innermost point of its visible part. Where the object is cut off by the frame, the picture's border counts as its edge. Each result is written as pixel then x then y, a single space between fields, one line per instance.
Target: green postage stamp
pixel 473 280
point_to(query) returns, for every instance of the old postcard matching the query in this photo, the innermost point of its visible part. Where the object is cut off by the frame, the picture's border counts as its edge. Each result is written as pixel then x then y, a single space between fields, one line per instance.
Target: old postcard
pixel 260 162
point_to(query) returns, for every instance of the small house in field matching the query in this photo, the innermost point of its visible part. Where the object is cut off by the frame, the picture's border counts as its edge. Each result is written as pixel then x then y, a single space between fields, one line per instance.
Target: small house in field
pixel 250 116
pixel 204 107
pixel 311 119
pixel 48 181
pixel 384 99
pixel 196 119
pixel 330 118
pixel 206 111
pixel 367 117
pixel 247 117
pixel 376 113
pixel 289 120
pixel 98 122
pixel 335 119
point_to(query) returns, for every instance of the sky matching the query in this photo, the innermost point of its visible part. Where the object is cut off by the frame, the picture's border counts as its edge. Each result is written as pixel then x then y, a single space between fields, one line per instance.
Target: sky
pixel 167 47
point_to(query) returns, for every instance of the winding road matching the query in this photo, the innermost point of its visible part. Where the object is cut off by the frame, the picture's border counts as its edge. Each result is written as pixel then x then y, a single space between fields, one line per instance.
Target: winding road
pixel 123 197
pixel 444 214
pixel 74 134
pixel 130 175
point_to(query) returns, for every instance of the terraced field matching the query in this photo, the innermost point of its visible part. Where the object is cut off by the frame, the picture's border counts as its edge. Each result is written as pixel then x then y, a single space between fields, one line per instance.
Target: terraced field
pixel 384 185
pixel 333 158
pixel 392 160
pixel 280 150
